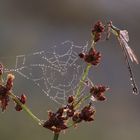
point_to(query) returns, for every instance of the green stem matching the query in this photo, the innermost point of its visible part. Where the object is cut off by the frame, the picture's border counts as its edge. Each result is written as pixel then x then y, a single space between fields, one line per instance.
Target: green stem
pixel 26 109
pixel 81 83
pixel 82 100
pixel 56 136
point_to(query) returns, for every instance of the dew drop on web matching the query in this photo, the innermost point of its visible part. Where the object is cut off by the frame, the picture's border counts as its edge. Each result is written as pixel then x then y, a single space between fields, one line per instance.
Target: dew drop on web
pixel 56 71
pixel 135 91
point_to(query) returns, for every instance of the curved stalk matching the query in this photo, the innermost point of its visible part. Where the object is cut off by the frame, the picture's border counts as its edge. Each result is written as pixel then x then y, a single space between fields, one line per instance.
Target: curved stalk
pixel 26 109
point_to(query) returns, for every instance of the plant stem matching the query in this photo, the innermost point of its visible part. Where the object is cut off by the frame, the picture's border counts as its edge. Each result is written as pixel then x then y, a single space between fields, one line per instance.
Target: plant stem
pixel 82 79
pixel 85 72
pixel 25 108
pixel 56 136
pixel 82 100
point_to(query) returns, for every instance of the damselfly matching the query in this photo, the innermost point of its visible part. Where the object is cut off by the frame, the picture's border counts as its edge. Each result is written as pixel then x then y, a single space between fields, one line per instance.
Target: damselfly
pixel 123 38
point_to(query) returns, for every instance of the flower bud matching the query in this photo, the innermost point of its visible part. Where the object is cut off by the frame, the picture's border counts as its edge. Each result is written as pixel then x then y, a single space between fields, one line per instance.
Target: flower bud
pixel 9 83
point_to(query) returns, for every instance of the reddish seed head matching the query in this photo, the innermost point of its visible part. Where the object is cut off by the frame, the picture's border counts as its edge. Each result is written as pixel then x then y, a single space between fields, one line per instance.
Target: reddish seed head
pixel 70 99
pixel 56 121
pixel 87 113
pixel 97 30
pixel 18 108
pixel 98 27
pixel 101 98
pixel 70 107
pixel 60 111
pixel 4 98
pixel 9 83
pixel 10 77
pixel 93 57
pixel 81 55
pixel 76 118
pixel 4 101
pixel 22 99
pixel 98 92
pixel 70 113
pixel 3 91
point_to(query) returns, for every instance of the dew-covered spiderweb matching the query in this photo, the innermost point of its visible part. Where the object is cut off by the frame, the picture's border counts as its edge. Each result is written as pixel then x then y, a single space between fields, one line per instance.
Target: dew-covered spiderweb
pixel 55 70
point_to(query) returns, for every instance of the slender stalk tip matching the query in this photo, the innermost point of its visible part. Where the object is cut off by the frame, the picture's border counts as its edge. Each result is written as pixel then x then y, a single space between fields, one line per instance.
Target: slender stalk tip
pixel 56 136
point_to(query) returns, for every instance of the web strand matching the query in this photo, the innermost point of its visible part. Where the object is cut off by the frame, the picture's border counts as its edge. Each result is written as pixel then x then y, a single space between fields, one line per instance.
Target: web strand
pixel 56 71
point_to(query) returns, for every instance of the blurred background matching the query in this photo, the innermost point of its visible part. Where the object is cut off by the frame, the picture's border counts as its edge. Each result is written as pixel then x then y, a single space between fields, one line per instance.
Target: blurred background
pixel 27 26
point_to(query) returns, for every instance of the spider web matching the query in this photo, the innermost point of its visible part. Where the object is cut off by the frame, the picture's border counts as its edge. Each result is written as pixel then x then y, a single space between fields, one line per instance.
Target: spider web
pixel 56 70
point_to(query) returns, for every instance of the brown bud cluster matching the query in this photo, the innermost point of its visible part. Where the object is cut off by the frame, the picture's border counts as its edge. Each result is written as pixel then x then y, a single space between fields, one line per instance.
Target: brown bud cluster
pixel 98 92
pixel 70 99
pixel 22 99
pixel 10 79
pixel 4 91
pixel 86 114
pixel 97 30
pixel 93 57
pixel 4 98
pixel 58 121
